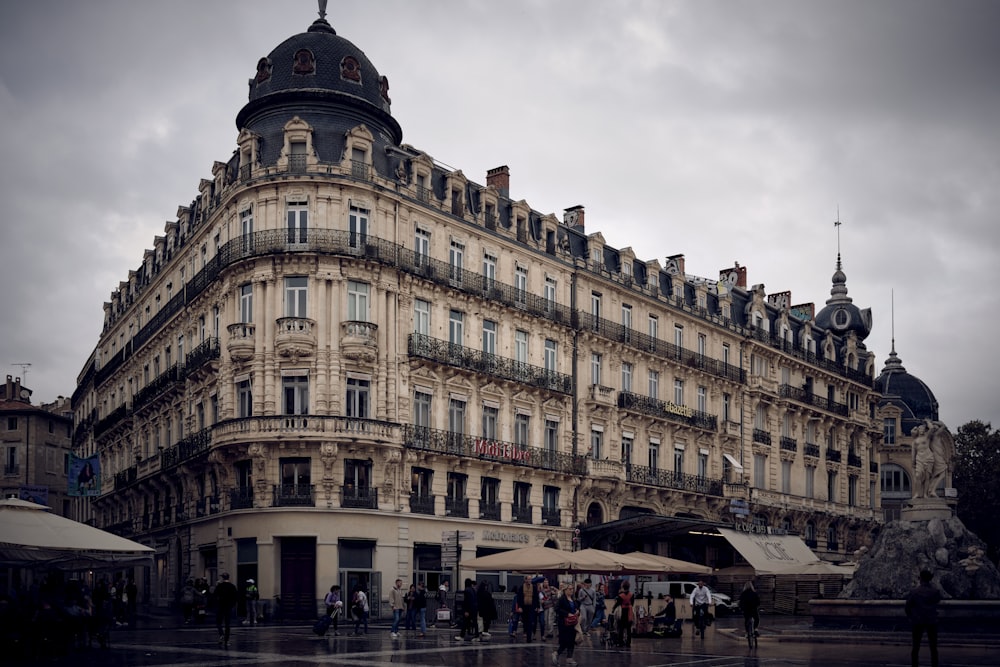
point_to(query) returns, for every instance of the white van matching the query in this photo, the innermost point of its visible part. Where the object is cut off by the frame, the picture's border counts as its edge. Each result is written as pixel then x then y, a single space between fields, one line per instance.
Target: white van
pixel 681 591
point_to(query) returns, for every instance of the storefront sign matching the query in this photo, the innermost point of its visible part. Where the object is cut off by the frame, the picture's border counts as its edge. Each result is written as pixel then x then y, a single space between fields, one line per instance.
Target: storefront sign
pixel 501 536
pixel 500 450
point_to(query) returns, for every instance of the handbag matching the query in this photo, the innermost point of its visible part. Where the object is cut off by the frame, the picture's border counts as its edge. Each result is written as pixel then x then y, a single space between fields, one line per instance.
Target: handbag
pixel 571 619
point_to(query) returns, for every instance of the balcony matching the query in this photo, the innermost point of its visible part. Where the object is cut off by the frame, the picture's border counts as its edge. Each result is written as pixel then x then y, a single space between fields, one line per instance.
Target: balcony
pixel 358 341
pixel 601 394
pixel 202 354
pixel 293 495
pixel 674 480
pixel 477 361
pixel 241 341
pixel 489 511
pixel 457 507
pixel 207 506
pixel 811 450
pixel 789 444
pixel 664 410
pixel 355 497
pixel 295 337
pixel 457 444
pixel 762 436
pixel 360 170
pixel 832 455
pixel 164 382
pixel 873 467
pixel 125 478
pixel 297 163
pixel 853 460
pixel 421 504
pixel 115 417
pixel 811 399
pixel 551 516
pixel 241 498
pixel 520 513
pixel 423 193
pixel 11 469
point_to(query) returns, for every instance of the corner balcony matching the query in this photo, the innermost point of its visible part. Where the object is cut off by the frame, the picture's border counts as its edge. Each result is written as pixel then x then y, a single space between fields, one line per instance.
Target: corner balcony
pixel 674 480
pixel 293 495
pixel 508 453
pixel 295 337
pixel 241 341
pixel 358 341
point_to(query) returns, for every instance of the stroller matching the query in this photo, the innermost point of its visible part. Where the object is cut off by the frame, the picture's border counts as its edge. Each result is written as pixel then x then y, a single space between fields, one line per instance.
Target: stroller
pixel 612 637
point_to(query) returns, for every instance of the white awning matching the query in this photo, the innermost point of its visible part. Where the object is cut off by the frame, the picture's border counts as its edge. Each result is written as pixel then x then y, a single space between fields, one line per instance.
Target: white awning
pixel 733 462
pixel 770 554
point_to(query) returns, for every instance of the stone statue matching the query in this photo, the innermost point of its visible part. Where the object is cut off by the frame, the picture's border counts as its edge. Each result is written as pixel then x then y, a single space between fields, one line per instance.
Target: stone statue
pixel 933 451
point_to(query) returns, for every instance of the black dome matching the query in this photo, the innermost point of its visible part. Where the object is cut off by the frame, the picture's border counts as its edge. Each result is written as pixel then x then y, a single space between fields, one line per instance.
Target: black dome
pixel 840 315
pixel 907 392
pixel 319 66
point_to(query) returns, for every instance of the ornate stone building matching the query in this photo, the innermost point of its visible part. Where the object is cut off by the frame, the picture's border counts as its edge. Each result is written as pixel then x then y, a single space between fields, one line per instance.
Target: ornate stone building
pixel 342 351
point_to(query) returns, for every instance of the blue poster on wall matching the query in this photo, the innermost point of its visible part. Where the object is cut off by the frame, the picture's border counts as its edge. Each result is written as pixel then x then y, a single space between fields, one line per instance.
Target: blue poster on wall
pixel 84 476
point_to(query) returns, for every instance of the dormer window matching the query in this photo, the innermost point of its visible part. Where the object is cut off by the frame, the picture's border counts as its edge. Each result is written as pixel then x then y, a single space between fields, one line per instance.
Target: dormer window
pixel 597 258
pixel 627 269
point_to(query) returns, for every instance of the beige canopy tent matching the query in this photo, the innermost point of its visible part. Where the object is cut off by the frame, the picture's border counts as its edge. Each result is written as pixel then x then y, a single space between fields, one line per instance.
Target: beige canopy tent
pixel 667 565
pixel 31 536
pixel 547 559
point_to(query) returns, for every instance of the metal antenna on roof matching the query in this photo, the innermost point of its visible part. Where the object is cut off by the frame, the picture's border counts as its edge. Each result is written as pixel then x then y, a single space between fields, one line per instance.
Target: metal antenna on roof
pixel 837 224
pixel 322 9
pixel 24 371
pixel 892 317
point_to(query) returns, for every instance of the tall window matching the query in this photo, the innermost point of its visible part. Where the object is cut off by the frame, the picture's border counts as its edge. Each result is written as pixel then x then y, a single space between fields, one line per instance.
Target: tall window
pixel 244 399
pixel 522 424
pixel 456 259
pixel 626 376
pixel 357 222
pixel 295 476
pixel 702 399
pixel 551 435
pixel 595 368
pixel 786 476
pixel 760 471
pixel 357 301
pixel 810 481
pixel 628 443
pixel 678 336
pixel 421 482
pixel 521 284
pixel 490 415
pixel 627 318
pixel 246 228
pixel 522 494
pixel 489 494
pixel 595 308
pixel 421 317
pixel 421 409
pixel 889 431
pixel 726 407
pixel 297 222
pixel 295 395
pixel 852 490
pixel 550 291
pixel 550 355
pixel 456 416
pixel 521 346
pixel 678 391
pixel 489 337
pixel 653 455
pixel 456 327
pixel 654 327
pixel 421 245
pixel 246 303
pixel 678 460
pixel 296 293
pixel 831 486
pixel 358 398
pixel 702 464
pixel 725 353
pixel 489 269
pixel 596 444
pixel 702 344
pixel 654 384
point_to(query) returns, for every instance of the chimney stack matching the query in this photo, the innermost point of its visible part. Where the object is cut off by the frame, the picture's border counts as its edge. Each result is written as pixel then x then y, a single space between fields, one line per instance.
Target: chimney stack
pixel 573 217
pixel 499 178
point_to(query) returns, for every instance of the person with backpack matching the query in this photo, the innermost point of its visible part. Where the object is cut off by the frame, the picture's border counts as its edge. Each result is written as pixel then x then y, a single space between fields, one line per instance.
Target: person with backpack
pixel 252 595
pixel 360 609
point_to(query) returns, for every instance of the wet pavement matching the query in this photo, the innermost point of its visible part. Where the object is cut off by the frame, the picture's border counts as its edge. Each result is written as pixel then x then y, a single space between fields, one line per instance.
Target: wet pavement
pixel 784 642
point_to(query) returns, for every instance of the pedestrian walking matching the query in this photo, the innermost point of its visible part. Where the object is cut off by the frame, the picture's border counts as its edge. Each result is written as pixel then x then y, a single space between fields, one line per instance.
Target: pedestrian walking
pixel 397 602
pixel 252 595
pixel 626 600
pixel 470 613
pixel 360 610
pixel 411 611
pixel 600 607
pixel 334 607
pixel 420 606
pixel 226 597
pixel 487 609
pixel 922 610
pixel 586 602
pixel 567 618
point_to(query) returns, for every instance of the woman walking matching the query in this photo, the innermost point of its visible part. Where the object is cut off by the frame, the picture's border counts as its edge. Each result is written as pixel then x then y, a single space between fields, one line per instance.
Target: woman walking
pixel 567 617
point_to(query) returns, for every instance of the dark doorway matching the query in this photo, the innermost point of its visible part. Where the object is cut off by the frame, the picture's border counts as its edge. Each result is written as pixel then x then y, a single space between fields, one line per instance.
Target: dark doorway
pixel 298 577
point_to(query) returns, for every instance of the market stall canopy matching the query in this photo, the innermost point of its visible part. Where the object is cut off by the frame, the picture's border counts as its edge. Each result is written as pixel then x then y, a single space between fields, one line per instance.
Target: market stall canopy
pixel 547 559
pixel 771 554
pixel 30 535
pixel 667 565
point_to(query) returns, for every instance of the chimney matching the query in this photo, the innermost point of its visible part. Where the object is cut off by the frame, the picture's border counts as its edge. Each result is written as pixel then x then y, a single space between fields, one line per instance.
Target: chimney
pixel 8 390
pixel 499 178
pixel 734 277
pixel 675 265
pixel 573 217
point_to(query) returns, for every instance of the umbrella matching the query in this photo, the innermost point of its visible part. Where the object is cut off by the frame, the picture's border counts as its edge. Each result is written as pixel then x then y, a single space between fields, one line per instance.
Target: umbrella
pixel 31 535
pixel 665 564
pixel 547 559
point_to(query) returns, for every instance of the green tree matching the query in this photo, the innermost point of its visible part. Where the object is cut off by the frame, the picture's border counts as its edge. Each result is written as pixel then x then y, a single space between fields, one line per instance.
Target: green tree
pixel 977 477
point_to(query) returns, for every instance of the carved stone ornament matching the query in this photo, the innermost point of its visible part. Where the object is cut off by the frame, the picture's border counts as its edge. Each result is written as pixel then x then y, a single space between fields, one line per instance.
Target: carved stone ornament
pixel 350 69
pixel 263 70
pixel 304 62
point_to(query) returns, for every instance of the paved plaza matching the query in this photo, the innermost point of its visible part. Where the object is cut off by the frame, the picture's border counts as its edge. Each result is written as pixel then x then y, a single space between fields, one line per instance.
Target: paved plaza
pixel 159 642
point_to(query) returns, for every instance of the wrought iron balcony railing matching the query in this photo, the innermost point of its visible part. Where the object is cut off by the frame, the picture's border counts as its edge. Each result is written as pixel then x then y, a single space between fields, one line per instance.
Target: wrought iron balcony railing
pixel 202 354
pixel 809 398
pixel 551 516
pixel 853 460
pixel 789 444
pixel 293 495
pixel 163 382
pixel 674 480
pixel 421 504
pixel 520 513
pixel 458 507
pixel 508 453
pixel 241 498
pixel 761 436
pixel 662 409
pixel 467 358
pixel 115 417
pixel 364 497
pixel 189 447
pixel 489 511
pixel 832 455
pixel 811 450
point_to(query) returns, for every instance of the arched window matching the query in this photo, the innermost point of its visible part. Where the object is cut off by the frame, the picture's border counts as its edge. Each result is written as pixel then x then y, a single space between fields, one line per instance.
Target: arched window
pixel 895 481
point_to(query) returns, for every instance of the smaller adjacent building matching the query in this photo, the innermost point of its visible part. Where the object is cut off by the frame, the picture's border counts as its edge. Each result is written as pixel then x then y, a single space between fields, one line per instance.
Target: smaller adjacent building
pixel 36 443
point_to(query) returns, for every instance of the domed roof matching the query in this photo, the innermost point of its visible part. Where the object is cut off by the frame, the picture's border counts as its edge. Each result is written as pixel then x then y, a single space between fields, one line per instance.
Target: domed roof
pixel 906 391
pixel 840 315
pixel 320 66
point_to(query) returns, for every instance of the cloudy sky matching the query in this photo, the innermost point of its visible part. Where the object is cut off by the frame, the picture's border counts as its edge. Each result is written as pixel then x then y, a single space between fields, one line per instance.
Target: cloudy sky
pixel 726 131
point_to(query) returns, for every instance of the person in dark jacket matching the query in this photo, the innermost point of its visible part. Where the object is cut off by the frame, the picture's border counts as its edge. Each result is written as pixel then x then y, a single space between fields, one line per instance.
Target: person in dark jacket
pixel 750 605
pixel 487 608
pixel 567 618
pixel 226 597
pixel 922 610
pixel 529 602
pixel 470 613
